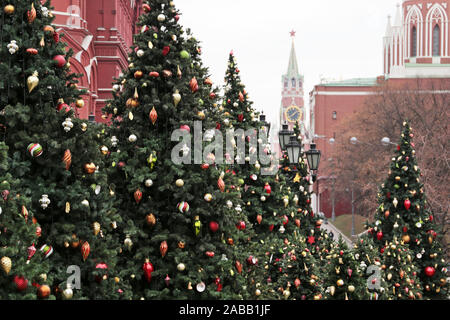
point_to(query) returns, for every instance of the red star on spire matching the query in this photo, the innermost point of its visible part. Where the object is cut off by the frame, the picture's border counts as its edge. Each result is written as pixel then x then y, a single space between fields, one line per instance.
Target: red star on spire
pixel 293 33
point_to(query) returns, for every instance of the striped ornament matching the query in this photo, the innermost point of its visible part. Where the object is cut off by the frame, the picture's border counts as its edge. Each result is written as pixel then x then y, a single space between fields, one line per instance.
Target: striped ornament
pixel 47 250
pixel 183 207
pixel 67 158
pixel 35 149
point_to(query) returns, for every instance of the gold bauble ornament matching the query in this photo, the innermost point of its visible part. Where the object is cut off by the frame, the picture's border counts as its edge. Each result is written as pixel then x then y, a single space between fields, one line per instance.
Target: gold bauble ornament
pixel 351 288
pixel 6 264
pixel 179 183
pixel 340 283
pixel 32 81
pixel 96 228
pixel 79 103
pixel 257 292
pixel 9 9
pixel 83 126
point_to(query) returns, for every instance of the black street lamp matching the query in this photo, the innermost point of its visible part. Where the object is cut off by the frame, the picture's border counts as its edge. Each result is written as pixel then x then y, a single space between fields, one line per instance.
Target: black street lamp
pixel 284 136
pixel 265 125
pixel 294 150
pixel 313 157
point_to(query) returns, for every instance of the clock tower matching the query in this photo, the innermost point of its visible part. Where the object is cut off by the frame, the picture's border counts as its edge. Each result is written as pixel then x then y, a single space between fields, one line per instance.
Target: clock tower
pixel 292 104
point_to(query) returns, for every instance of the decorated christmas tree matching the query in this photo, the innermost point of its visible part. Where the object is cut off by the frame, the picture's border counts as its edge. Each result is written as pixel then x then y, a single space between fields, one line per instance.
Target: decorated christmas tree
pixel 400 272
pixel 55 158
pixel 181 219
pixel 403 215
pixel 345 279
pixel 367 255
pixel 21 276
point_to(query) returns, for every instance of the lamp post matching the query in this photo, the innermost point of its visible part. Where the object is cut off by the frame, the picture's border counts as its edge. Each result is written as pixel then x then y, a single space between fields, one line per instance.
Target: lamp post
pixel 284 136
pixel 313 158
pixel 264 124
pixel 294 150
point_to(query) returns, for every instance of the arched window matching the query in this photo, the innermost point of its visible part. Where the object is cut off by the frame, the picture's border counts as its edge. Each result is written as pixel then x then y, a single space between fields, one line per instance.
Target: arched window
pixel 300 83
pixel 293 83
pixel 285 83
pixel 413 42
pixel 436 41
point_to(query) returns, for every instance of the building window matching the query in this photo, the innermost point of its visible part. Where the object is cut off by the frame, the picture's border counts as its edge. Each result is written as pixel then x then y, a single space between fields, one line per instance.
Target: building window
pixel 334 116
pixel 300 83
pixel 414 42
pixel 286 84
pixel 436 41
pixel 293 82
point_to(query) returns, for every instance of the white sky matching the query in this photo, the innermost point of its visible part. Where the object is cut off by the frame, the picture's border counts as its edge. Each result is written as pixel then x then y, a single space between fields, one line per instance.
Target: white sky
pixel 334 39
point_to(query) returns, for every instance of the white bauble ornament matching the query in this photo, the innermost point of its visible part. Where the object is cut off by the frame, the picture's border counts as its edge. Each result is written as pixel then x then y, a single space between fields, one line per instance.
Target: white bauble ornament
pixel 116 87
pixel 114 141
pixel 132 138
pixel 179 183
pixel 161 17
pixel 263 198
pixel 85 203
pixel 44 201
pixel 229 204
pixel 67 124
pixel 181 267
pixel 201 287
pixel 148 183
pixel 68 292
pixel 140 53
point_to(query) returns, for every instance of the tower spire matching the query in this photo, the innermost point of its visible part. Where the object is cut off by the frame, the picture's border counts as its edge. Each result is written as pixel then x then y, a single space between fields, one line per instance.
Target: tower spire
pixel 398 18
pixel 388 27
pixel 293 65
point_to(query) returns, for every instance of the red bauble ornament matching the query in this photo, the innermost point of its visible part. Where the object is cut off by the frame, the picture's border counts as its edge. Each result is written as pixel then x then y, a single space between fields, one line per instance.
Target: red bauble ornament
pixel 101 266
pixel 240 117
pixel 297 223
pixel 205 166
pixel 146 7
pixel 62 105
pixel 209 254
pixel 405 229
pixel 147 267
pixel 285 220
pixel 252 261
pixel 153 116
pixel 267 189
pixel 212 95
pixel 163 248
pixel 138 196
pixel 154 74
pixel 430 271
pixel 407 204
pixel 213 226
pixel 185 128
pixel 221 184
pixel 398 147
pixel 177 17
pixel 297 282
pixel 166 51
pixel 85 250
pixel 271 227
pixel 379 235
pixel 21 283
pixel 32 51
pixel 238 266
pixel 240 225
pixel 259 218
pixel 60 60
pixel 218 126
pixel 193 85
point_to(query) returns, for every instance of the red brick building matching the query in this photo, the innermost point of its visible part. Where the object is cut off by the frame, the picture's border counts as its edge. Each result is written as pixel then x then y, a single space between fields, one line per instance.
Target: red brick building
pixel 100 32
pixel 416 46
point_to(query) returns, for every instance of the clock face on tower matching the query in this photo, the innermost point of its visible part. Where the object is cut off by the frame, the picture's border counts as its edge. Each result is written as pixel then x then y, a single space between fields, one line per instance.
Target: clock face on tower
pixel 293 114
